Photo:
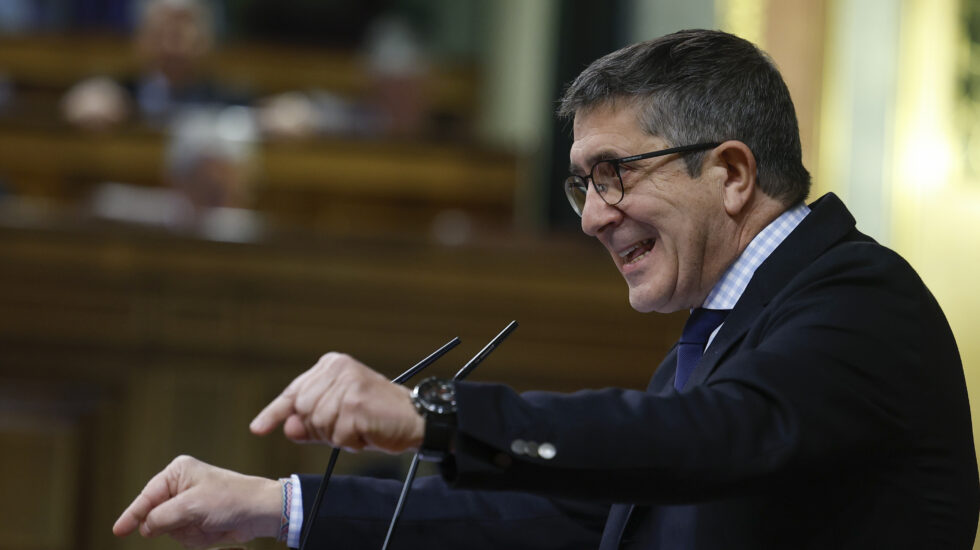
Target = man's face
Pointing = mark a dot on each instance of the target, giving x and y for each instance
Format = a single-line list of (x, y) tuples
[(173, 40), (662, 233)]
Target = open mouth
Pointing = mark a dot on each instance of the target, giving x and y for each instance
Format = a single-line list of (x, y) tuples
[(636, 252)]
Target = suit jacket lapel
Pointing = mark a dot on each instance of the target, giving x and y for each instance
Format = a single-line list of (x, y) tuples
[(828, 222), (619, 514), (663, 377)]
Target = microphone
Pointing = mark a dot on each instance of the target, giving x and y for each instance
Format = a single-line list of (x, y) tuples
[(469, 367), (400, 379)]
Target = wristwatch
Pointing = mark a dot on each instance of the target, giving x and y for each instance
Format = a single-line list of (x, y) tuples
[(435, 400)]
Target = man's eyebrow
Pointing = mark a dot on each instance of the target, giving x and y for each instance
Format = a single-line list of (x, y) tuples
[(592, 159)]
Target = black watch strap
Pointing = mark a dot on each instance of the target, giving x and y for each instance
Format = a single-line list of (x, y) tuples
[(435, 400), (440, 429)]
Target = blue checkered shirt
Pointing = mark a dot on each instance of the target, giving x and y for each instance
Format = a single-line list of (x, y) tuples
[(729, 289)]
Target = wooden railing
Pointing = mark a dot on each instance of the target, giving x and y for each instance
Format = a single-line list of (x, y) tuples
[(335, 185), (58, 61)]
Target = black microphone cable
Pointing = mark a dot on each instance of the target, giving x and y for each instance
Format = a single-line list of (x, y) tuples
[(400, 379), (469, 367)]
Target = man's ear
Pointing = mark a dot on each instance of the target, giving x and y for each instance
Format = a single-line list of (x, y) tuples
[(739, 167)]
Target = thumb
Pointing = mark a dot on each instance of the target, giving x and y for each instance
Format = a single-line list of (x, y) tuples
[(175, 513)]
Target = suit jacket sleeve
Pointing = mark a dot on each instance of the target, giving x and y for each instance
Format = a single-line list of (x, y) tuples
[(356, 512), (829, 375)]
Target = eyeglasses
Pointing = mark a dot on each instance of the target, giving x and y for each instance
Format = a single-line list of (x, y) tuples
[(608, 182)]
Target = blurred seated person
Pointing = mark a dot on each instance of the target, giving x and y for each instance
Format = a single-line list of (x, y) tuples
[(173, 39), (208, 175), (393, 106)]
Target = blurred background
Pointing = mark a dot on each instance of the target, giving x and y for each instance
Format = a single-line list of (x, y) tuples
[(197, 199)]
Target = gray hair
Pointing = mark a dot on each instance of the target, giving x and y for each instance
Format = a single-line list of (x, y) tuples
[(699, 86)]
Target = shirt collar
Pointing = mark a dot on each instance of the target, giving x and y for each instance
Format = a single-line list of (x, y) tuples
[(730, 287)]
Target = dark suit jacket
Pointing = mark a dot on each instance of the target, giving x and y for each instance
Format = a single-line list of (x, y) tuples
[(830, 411)]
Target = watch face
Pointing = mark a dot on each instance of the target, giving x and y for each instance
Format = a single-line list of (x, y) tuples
[(436, 396)]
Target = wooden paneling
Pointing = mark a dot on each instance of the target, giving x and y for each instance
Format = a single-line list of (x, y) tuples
[(144, 291), (136, 346), (41, 437)]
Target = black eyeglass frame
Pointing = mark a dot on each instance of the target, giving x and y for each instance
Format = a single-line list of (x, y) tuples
[(572, 180)]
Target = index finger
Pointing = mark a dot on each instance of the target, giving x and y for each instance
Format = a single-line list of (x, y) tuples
[(157, 490), (280, 408), (273, 414)]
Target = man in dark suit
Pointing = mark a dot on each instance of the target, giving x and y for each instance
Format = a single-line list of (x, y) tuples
[(815, 399)]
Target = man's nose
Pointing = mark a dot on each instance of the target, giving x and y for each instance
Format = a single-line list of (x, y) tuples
[(596, 214)]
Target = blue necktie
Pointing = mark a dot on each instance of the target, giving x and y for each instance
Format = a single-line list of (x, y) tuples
[(694, 337)]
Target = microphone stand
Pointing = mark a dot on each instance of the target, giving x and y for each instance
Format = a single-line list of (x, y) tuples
[(469, 367), (401, 378)]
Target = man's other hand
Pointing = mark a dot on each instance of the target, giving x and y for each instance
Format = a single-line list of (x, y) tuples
[(342, 402), (200, 505)]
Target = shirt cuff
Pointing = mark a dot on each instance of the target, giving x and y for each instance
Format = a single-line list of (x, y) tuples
[(295, 512)]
